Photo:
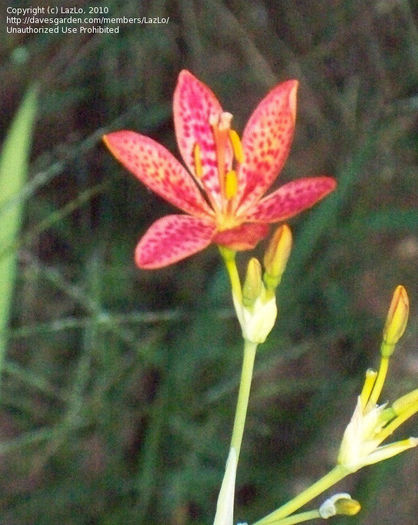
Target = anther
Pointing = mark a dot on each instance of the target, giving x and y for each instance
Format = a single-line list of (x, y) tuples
[(236, 145), (197, 161), (231, 184)]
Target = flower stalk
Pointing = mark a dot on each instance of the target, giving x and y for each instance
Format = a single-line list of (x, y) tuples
[(225, 504), (255, 306), (298, 518), (331, 478), (243, 395)]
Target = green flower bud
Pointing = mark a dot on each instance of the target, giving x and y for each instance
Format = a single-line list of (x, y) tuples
[(341, 504), (253, 284), (276, 256), (396, 321)]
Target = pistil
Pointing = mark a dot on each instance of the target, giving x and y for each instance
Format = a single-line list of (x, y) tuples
[(221, 124), (224, 136)]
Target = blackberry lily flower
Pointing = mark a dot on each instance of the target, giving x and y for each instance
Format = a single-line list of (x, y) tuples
[(222, 191)]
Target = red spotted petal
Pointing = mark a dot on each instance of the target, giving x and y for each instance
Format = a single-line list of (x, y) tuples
[(244, 237), (193, 105), (291, 199), (158, 169), (266, 142), (171, 239)]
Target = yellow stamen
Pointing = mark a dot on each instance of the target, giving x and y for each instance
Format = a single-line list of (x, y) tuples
[(197, 161), (221, 125), (231, 184), (236, 145)]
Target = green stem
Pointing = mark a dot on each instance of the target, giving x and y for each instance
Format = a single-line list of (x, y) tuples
[(336, 474), (380, 379), (243, 395), (299, 518), (231, 266), (225, 504)]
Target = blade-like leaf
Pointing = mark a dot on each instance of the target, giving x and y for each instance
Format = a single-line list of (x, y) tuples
[(14, 160)]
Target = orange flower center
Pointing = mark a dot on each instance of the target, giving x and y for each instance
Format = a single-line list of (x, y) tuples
[(224, 137)]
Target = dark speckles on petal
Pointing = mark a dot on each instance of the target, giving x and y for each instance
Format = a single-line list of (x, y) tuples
[(266, 141), (291, 199), (171, 239), (193, 103), (152, 164)]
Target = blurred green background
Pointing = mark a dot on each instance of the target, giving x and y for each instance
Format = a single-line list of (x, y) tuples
[(119, 385)]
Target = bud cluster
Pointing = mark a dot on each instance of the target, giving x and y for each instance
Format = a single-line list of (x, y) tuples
[(256, 307), (371, 424)]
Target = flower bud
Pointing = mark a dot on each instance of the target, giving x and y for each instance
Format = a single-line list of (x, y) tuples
[(256, 310), (406, 402), (253, 284), (257, 322), (276, 256), (347, 507), (341, 504), (396, 321)]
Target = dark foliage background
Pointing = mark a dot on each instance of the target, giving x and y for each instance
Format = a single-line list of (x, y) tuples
[(119, 384)]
